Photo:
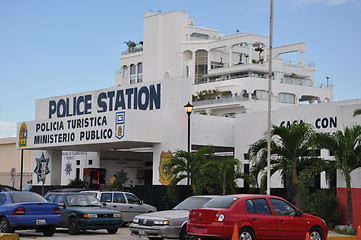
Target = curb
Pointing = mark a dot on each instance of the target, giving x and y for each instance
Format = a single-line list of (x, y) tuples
[(342, 238), (9, 236)]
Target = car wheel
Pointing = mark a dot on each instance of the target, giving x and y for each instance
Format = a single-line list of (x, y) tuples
[(73, 226), (184, 235), (5, 226), (316, 234), (246, 234), (49, 231), (112, 230)]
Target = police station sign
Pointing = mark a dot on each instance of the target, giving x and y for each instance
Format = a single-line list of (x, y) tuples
[(93, 117)]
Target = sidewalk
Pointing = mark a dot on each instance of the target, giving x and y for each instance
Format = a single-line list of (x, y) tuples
[(336, 236)]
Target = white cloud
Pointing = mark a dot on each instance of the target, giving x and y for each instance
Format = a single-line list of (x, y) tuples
[(7, 129)]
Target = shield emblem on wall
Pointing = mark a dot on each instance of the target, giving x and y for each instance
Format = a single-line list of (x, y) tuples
[(119, 124)]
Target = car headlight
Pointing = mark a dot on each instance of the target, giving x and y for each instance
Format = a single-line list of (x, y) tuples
[(90, 215), (161, 222), (135, 220), (117, 215)]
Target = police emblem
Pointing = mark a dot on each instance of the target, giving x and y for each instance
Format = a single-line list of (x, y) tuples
[(119, 124), (23, 135), (165, 174), (42, 168), (68, 168)]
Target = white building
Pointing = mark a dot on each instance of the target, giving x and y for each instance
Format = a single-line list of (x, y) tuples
[(131, 127)]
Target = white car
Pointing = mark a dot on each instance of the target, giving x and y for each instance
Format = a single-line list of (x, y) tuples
[(169, 223), (127, 203)]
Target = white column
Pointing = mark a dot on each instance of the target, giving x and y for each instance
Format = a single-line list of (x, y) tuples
[(302, 58), (230, 56)]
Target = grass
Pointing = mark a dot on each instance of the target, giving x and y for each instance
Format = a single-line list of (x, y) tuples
[(344, 232)]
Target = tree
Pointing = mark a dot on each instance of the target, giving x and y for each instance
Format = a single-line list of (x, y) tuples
[(222, 175), (131, 45), (346, 148), (357, 112), (290, 154), (186, 165)]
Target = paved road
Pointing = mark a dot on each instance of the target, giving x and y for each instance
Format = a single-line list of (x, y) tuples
[(62, 234)]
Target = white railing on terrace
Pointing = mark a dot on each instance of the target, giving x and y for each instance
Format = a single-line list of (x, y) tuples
[(297, 63), (134, 50), (220, 101)]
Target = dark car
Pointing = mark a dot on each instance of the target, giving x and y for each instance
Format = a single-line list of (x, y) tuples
[(80, 211), (254, 217), (27, 210)]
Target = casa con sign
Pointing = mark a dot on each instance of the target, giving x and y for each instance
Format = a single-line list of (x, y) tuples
[(95, 117)]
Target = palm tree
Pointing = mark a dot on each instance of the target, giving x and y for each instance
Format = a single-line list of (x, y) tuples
[(346, 148), (221, 174), (357, 112), (186, 165), (290, 148)]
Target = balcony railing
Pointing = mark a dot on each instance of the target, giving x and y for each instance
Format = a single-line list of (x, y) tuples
[(220, 101), (133, 50)]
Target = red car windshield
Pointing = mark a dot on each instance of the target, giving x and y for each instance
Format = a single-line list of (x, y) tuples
[(192, 202), (221, 202)]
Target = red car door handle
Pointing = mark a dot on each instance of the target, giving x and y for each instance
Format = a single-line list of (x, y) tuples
[(254, 219), (282, 220)]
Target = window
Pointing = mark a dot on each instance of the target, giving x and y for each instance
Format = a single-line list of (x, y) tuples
[(119, 198), (224, 202), (132, 199), (125, 71), (132, 73), (2, 199), (261, 95), (140, 73), (257, 206), (106, 197), (201, 65), (282, 208), (286, 98)]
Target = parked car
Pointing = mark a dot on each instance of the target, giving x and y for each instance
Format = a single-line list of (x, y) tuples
[(27, 210), (80, 211), (256, 217), (169, 223), (127, 203), (6, 188)]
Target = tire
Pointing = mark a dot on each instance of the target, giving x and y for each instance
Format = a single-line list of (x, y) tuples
[(73, 226), (49, 231), (112, 230), (5, 226), (183, 235), (246, 234), (316, 234)]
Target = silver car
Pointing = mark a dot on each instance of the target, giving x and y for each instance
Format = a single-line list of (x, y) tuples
[(127, 203), (169, 223)]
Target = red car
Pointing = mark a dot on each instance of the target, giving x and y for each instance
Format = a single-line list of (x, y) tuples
[(256, 217)]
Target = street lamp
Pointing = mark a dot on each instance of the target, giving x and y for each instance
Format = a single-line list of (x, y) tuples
[(189, 108)]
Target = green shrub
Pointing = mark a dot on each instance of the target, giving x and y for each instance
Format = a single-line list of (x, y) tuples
[(324, 204)]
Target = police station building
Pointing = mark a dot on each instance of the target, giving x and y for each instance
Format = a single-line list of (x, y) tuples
[(131, 128)]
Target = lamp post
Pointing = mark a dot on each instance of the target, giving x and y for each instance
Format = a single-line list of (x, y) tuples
[(189, 108)]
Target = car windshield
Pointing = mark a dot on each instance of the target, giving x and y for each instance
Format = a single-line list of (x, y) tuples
[(18, 197), (192, 202), (221, 202), (82, 200)]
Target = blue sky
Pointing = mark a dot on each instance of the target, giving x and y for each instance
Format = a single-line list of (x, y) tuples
[(57, 47)]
